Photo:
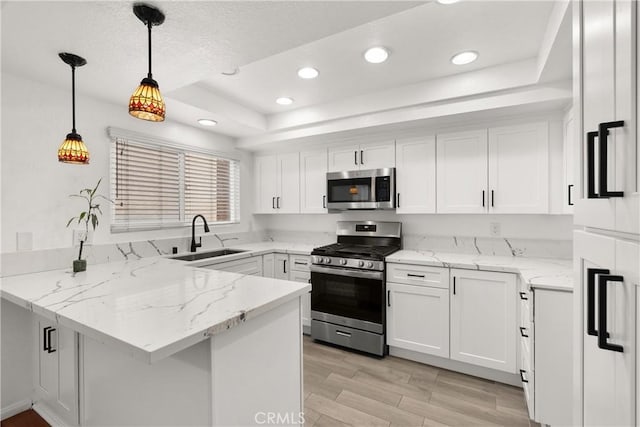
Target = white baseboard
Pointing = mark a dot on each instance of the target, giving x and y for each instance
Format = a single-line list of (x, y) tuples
[(454, 365), (49, 416), (15, 409)]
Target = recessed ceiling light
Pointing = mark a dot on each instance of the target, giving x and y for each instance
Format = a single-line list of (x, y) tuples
[(376, 55), (447, 1), (308, 73), (207, 122), (463, 58), (284, 101)]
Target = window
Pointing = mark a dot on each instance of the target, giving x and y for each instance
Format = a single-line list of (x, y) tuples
[(161, 186)]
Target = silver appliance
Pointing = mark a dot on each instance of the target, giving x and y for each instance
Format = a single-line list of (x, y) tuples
[(348, 296), (361, 189)]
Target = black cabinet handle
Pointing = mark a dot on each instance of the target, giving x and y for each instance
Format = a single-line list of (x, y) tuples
[(602, 312), (273, 203), (492, 198), (362, 157), (324, 201), (47, 339), (278, 202), (454, 285), (398, 203), (421, 276), (591, 165), (388, 298), (284, 266), (355, 157), (523, 296), (569, 202), (603, 132), (522, 371), (522, 329), (591, 299), (483, 198)]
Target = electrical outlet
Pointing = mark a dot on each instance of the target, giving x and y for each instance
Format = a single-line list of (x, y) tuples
[(79, 235), (494, 229)]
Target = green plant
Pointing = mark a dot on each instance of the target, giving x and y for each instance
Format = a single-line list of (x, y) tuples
[(91, 214)]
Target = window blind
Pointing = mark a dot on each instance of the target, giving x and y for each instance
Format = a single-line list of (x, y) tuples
[(158, 187)]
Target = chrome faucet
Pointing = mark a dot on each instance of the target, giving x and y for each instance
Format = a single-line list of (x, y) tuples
[(195, 245)]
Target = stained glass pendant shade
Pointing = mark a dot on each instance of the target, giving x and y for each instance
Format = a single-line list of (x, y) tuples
[(146, 103), (73, 150)]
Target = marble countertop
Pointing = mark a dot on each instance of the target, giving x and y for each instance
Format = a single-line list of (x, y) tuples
[(149, 308), (541, 273)]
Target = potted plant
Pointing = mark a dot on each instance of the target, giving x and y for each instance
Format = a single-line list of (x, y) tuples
[(88, 216)]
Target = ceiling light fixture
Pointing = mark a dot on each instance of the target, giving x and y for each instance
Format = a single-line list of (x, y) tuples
[(376, 55), (146, 103), (447, 1), (207, 122), (463, 58), (308, 73), (284, 101), (73, 149)]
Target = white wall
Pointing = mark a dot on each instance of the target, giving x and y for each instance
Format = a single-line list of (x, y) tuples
[(35, 186)]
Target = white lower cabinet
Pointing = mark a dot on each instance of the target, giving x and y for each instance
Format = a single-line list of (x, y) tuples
[(56, 379), (281, 266), (300, 272), (483, 319), (251, 266), (268, 265)]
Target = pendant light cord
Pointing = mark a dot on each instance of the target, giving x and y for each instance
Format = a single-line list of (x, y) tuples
[(149, 27), (73, 97)]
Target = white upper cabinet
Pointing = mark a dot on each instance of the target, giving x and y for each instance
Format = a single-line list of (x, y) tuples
[(371, 155), (277, 183), (462, 172), (483, 319), (607, 78), (519, 169), (416, 175), (313, 181), (570, 157)]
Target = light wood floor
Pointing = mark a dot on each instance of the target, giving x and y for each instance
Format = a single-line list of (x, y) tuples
[(345, 388)]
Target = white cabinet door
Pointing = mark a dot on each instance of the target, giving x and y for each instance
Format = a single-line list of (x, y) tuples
[(607, 71), (57, 369), (288, 197), (607, 376), (462, 172), (344, 158), (519, 169), (571, 150), (418, 318), (313, 181), (303, 277), (282, 266), (268, 265), (416, 175), (266, 183), (483, 319), (377, 155)]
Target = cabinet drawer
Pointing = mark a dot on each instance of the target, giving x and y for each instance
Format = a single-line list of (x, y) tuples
[(251, 266), (300, 276), (436, 277), (300, 262)]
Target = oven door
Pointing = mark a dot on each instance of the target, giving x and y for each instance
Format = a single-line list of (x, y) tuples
[(348, 297)]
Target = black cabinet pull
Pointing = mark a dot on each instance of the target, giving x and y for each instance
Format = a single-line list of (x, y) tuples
[(355, 157), (388, 298), (454, 285), (603, 132), (569, 202), (47, 339), (591, 165), (284, 266), (602, 312), (591, 299), (398, 203), (278, 202), (421, 276), (324, 201), (483, 198), (273, 203), (523, 296), (492, 198), (362, 157), (522, 329), (522, 371), (44, 338)]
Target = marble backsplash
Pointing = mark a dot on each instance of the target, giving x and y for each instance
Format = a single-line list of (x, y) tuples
[(13, 263)]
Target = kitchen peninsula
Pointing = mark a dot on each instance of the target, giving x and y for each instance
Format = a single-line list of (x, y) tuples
[(157, 342)]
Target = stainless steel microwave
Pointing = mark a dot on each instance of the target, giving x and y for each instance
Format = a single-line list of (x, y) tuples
[(362, 189)]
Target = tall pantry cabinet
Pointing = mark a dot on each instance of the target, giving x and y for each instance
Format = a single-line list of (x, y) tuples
[(607, 223)]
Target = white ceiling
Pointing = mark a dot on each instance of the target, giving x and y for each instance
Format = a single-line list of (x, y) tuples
[(268, 41)]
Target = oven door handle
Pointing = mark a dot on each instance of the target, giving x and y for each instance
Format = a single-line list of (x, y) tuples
[(349, 272)]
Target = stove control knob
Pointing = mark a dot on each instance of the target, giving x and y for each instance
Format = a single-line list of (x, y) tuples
[(327, 260), (343, 262), (360, 263), (369, 264)]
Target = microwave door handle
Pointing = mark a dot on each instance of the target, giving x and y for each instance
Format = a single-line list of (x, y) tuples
[(355, 157)]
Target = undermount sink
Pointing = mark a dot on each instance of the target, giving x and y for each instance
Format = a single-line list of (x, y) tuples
[(210, 254)]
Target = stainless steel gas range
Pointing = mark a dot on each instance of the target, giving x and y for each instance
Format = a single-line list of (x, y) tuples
[(348, 296)]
